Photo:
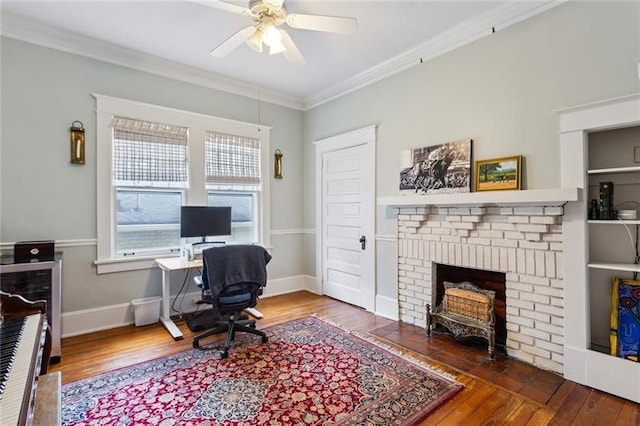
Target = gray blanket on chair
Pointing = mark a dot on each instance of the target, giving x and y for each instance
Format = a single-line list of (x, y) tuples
[(233, 264)]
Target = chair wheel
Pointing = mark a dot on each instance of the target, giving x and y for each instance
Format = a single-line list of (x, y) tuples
[(196, 344), (224, 354), (252, 325), (265, 339)]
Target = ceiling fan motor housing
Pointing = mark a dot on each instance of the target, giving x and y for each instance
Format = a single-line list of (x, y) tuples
[(263, 10)]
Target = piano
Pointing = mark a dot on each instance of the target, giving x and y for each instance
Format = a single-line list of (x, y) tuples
[(25, 348)]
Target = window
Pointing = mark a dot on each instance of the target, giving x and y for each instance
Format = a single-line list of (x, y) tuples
[(147, 221), (147, 156), (151, 160), (233, 179)]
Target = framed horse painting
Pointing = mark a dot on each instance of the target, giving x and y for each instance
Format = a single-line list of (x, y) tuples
[(444, 168)]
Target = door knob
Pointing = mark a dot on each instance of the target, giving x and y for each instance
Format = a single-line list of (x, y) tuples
[(363, 241)]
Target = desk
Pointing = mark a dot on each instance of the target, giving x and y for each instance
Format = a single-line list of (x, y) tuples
[(168, 265)]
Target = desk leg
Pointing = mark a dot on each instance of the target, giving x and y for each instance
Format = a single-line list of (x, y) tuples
[(165, 316)]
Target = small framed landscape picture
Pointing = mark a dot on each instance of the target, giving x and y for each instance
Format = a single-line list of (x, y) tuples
[(498, 173)]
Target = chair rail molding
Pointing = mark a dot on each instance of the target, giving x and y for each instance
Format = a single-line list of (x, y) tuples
[(88, 242), (288, 231)]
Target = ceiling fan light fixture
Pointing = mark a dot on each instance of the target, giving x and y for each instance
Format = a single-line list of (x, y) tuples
[(267, 16), (271, 35), (277, 48), (255, 41)]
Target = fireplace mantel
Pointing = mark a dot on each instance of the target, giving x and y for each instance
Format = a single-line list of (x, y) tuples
[(529, 197)]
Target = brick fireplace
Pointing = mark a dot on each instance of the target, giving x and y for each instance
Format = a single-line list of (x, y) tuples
[(523, 242)]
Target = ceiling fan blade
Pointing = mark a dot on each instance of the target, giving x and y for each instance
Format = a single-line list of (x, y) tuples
[(227, 7), (292, 54), (331, 24), (232, 42)]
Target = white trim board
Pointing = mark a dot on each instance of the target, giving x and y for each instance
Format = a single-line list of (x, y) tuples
[(89, 242), (287, 231), (30, 31), (58, 243), (528, 197), (387, 307), (86, 321), (464, 33)]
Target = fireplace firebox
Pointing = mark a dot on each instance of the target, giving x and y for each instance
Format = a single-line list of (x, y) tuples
[(486, 280)]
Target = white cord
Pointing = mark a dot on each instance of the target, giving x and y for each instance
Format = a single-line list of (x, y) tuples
[(633, 244)]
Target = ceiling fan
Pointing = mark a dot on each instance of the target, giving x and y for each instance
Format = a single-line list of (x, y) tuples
[(267, 16)]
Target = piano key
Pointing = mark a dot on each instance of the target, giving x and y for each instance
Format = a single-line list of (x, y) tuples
[(11, 399)]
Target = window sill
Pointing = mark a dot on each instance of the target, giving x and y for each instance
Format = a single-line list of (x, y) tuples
[(108, 266)]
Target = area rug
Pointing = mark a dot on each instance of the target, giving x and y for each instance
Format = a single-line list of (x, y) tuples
[(310, 372)]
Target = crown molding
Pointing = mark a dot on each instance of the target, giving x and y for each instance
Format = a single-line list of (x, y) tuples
[(55, 38), (484, 25), (497, 19)]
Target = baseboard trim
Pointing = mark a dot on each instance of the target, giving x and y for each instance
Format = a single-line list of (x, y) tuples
[(86, 321), (387, 307), (287, 285), (91, 320)]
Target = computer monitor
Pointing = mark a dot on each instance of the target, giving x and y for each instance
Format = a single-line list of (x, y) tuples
[(204, 221)]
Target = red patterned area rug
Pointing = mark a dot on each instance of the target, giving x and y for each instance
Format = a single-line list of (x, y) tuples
[(310, 373)]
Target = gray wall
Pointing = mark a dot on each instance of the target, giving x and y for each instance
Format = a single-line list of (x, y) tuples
[(502, 91), (46, 197)]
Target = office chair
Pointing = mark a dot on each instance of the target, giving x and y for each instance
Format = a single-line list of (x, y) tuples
[(232, 279)]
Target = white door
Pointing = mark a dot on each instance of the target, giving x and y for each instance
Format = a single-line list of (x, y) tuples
[(347, 217)]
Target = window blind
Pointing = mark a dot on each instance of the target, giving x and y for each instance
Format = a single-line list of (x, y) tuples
[(147, 153), (231, 159)]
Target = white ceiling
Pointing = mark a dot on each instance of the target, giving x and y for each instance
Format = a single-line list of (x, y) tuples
[(174, 38)]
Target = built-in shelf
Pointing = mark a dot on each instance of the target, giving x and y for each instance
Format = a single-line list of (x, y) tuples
[(529, 197), (632, 169), (600, 348), (615, 222), (614, 266), (607, 133)]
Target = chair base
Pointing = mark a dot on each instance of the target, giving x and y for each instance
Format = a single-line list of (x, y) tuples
[(231, 326), (204, 320)]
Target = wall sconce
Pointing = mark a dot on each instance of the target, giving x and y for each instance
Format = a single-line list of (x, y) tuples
[(77, 142), (278, 165)]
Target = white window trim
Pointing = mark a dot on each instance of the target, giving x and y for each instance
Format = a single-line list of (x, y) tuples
[(106, 108)]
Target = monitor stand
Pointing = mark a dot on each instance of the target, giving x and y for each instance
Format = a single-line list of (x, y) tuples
[(194, 251)]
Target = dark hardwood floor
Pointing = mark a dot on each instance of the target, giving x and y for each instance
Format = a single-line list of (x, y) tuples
[(502, 391)]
